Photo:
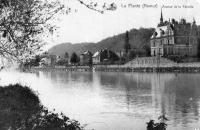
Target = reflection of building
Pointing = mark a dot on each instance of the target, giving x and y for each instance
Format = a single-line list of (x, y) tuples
[(172, 38), (177, 96), (86, 58), (104, 56)]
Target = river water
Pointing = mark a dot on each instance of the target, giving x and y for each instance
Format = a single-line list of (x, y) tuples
[(117, 101)]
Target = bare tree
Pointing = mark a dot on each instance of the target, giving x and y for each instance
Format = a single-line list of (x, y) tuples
[(24, 23), (101, 8)]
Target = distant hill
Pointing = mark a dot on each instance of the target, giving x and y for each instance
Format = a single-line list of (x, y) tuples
[(138, 39)]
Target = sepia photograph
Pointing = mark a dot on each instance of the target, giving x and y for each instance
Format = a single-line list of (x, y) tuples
[(99, 65)]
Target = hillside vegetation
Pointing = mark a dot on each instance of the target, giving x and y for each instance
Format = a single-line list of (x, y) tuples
[(139, 38)]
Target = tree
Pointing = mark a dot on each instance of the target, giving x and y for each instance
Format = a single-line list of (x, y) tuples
[(198, 48), (157, 126), (127, 46), (33, 62), (131, 54), (147, 49), (23, 23), (66, 56), (21, 109), (74, 58), (98, 7)]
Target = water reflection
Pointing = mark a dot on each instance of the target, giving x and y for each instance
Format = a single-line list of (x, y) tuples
[(120, 100), (63, 77)]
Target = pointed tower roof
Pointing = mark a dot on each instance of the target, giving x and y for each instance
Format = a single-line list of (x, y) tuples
[(161, 17), (194, 21), (194, 28)]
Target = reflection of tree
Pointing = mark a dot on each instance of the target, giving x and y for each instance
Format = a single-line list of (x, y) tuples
[(66, 77), (136, 91), (178, 97), (126, 85), (110, 79)]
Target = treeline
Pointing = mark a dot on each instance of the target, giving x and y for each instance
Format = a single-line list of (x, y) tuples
[(139, 40)]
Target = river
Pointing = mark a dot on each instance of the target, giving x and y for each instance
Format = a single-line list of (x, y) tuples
[(116, 100)]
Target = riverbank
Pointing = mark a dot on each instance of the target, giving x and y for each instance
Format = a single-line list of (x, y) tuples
[(113, 68), (143, 64), (21, 109)]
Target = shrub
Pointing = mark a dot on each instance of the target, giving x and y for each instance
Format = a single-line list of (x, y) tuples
[(20, 109), (157, 126)]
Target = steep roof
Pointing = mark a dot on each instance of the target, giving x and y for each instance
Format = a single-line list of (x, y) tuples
[(163, 31), (96, 54), (86, 53)]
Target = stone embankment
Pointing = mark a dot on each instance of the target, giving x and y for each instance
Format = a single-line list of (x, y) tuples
[(143, 64)]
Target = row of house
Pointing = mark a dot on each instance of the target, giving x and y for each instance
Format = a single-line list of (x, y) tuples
[(99, 57), (85, 58)]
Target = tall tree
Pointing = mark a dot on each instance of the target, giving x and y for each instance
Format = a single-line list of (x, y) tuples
[(198, 48), (127, 45), (147, 49), (74, 58)]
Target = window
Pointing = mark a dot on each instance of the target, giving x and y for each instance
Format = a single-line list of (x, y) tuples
[(153, 44), (161, 42)]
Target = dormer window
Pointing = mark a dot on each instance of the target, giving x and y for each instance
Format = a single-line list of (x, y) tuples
[(162, 32), (155, 34)]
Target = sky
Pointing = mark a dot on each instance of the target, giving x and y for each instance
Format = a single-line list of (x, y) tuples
[(87, 25)]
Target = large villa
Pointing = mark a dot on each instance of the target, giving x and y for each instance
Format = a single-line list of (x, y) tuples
[(173, 38)]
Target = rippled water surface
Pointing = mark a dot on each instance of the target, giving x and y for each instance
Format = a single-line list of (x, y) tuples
[(117, 101)]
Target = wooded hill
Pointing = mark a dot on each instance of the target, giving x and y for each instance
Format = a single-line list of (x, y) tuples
[(138, 38)]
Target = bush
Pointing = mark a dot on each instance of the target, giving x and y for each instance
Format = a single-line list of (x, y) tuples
[(157, 126), (20, 109)]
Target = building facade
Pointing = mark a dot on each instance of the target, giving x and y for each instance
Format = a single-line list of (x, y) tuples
[(104, 56), (86, 58), (173, 38), (96, 59)]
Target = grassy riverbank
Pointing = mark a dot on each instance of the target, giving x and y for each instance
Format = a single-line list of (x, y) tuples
[(20, 109)]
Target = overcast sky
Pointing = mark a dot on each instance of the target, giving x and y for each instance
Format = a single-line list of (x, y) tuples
[(89, 26)]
